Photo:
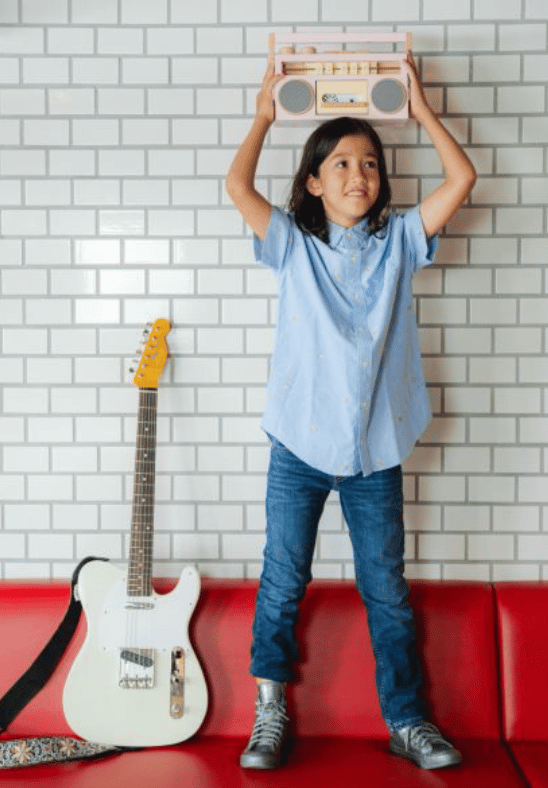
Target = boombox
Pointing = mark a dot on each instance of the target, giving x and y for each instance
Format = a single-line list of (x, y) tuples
[(316, 85)]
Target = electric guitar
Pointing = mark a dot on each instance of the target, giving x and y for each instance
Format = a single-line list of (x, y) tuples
[(136, 680)]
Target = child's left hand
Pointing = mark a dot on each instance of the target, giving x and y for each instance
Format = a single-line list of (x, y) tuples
[(418, 103), (459, 172)]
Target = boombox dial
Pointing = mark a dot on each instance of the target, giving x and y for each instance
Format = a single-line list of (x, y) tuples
[(369, 85)]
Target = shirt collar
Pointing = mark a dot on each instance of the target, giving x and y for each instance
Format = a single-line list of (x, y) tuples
[(352, 237)]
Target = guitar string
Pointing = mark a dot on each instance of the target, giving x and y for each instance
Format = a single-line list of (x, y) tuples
[(147, 514), (148, 481), (152, 479), (134, 543), (139, 524), (133, 548), (137, 543), (139, 578)]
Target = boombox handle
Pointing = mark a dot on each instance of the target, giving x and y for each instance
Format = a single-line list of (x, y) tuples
[(324, 38)]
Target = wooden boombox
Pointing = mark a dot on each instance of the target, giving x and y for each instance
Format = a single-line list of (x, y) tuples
[(316, 85)]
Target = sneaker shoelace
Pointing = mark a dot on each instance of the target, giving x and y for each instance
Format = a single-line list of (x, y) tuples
[(424, 734), (269, 725)]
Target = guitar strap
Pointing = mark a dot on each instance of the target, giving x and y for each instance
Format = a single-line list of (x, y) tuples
[(50, 749)]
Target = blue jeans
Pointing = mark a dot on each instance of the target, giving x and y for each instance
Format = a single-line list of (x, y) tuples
[(373, 509)]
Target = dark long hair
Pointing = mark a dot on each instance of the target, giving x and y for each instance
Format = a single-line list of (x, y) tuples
[(308, 210)]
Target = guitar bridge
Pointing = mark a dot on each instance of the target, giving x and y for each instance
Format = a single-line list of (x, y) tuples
[(136, 668), (177, 683)]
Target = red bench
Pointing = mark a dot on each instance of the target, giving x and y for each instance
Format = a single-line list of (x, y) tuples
[(485, 657)]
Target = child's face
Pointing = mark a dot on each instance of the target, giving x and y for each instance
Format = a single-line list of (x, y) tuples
[(348, 180)]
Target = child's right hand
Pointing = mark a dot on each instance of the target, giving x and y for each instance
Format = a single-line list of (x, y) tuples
[(265, 102), (240, 179)]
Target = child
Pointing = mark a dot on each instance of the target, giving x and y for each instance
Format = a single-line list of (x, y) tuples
[(347, 398)]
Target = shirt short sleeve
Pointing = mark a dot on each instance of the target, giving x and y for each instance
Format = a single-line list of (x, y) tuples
[(422, 249), (273, 251)]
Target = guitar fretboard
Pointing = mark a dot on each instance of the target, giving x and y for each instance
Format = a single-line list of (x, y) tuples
[(139, 581)]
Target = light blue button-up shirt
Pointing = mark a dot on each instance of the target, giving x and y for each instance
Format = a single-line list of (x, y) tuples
[(347, 392)]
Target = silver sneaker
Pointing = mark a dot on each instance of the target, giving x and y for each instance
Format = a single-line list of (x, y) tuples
[(424, 745), (265, 747)]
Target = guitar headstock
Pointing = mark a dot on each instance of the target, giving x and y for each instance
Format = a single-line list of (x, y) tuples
[(154, 357)]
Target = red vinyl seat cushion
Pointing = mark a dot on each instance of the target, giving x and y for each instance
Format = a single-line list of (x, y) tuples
[(320, 762)]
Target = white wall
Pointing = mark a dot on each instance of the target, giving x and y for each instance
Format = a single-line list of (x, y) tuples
[(118, 119)]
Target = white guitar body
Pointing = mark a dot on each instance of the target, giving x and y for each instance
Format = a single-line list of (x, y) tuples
[(136, 680)]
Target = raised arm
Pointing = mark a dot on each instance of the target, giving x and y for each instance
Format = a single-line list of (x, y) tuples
[(240, 180), (458, 170)]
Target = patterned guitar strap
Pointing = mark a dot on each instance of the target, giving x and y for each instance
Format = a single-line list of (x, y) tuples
[(15, 753)]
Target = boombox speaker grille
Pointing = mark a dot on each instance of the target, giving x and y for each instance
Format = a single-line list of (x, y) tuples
[(389, 95), (296, 96)]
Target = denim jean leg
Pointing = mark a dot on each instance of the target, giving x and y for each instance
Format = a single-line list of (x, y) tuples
[(295, 498), (373, 509)]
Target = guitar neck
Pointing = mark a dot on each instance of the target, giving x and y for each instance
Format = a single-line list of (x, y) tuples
[(139, 581)]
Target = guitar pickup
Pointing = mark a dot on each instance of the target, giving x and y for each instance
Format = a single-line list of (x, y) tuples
[(136, 669), (137, 658)]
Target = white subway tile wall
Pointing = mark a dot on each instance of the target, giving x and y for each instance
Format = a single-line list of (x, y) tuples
[(118, 120)]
